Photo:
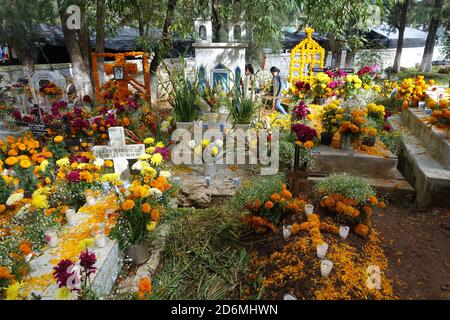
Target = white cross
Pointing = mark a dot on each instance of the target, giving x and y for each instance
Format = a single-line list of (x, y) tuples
[(119, 151)]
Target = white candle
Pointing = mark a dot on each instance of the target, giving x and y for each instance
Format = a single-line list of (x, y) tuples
[(288, 296), (100, 240), (322, 250), (421, 105), (325, 267), (51, 238), (309, 209), (236, 182), (343, 231)]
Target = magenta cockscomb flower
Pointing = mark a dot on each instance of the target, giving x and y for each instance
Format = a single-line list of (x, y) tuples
[(87, 261), (303, 132), (302, 110), (164, 152), (73, 176), (61, 272)]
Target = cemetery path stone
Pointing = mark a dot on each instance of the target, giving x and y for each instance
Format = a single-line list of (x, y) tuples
[(417, 246)]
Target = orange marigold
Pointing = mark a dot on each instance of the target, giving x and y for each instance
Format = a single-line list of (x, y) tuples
[(25, 248), (155, 215), (275, 197), (2, 208), (128, 205), (286, 194), (4, 273), (146, 208), (10, 161), (145, 285), (269, 204), (25, 164), (362, 230)]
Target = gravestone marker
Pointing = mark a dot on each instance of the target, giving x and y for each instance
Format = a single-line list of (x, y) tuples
[(119, 151)]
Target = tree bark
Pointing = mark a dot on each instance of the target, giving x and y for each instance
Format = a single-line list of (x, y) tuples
[(216, 25), (80, 68), (100, 37), (401, 32), (433, 26), (164, 43)]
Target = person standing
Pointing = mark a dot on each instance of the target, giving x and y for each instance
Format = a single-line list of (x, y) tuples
[(250, 85), (277, 87)]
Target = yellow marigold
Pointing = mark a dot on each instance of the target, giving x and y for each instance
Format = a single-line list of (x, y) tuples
[(58, 139), (128, 205), (108, 163), (25, 164), (10, 161), (157, 159)]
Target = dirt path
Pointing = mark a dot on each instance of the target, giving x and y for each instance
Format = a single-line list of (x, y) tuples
[(417, 244)]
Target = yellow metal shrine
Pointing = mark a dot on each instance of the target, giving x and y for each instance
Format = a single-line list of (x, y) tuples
[(305, 56)]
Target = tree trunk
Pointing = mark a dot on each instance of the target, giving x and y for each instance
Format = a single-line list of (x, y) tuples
[(350, 58), (80, 69), (335, 52), (100, 37), (164, 43), (433, 26), (27, 61), (401, 32), (216, 25)]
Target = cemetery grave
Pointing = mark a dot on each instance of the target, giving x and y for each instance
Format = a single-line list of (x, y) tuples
[(214, 194)]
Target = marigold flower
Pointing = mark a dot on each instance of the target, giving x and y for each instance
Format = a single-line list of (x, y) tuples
[(362, 230), (25, 164), (146, 208), (145, 285), (155, 215), (58, 139), (128, 205), (275, 197), (269, 204), (11, 161), (2, 208), (25, 248), (5, 274)]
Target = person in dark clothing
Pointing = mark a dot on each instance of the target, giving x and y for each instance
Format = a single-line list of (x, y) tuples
[(277, 86)]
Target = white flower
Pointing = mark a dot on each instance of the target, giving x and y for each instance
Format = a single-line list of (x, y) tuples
[(155, 192), (166, 174), (218, 143), (192, 144), (74, 281), (140, 165), (15, 197), (145, 157), (99, 162)]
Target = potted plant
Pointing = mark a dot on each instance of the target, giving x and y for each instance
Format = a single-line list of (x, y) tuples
[(208, 151), (241, 110), (354, 121), (184, 99), (332, 115)]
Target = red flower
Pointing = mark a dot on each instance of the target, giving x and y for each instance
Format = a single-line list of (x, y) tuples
[(73, 176)]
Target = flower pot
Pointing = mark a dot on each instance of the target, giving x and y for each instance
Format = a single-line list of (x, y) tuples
[(223, 116), (346, 142), (184, 125), (209, 169), (210, 116), (369, 141), (320, 101), (244, 127), (326, 138), (138, 253)]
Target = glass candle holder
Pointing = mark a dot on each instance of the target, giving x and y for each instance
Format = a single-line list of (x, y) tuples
[(286, 231), (236, 182), (208, 181), (428, 111), (309, 209), (100, 240), (51, 238), (343, 231), (71, 217), (325, 267), (421, 105), (322, 250)]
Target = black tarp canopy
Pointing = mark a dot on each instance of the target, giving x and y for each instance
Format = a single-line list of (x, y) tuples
[(387, 37)]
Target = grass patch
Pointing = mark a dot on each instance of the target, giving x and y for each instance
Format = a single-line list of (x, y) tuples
[(203, 257), (440, 78)]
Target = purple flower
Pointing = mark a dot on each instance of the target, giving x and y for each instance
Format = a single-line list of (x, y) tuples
[(87, 261), (132, 103), (387, 114), (17, 115), (332, 85), (164, 152), (61, 273), (87, 99), (73, 176), (303, 132), (302, 110)]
